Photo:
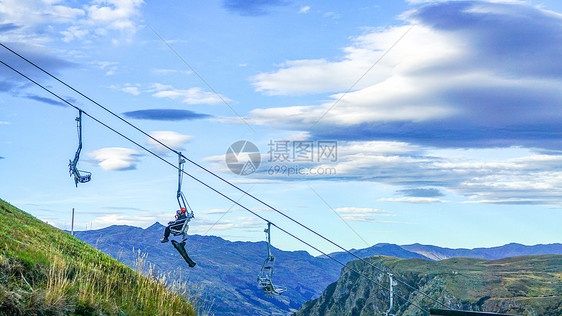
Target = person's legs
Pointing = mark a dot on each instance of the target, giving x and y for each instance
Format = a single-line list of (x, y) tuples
[(166, 234), (180, 246)]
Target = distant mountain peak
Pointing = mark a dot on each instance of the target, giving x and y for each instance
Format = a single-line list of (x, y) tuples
[(381, 244), (155, 226)]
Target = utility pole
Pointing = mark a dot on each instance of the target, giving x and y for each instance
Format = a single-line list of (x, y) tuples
[(72, 225)]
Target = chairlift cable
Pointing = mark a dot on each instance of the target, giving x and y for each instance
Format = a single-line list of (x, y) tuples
[(173, 150), (196, 164)]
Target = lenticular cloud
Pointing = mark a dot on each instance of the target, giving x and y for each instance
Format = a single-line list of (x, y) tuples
[(466, 74)]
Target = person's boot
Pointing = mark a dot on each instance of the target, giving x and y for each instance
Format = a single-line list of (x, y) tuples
[(163, 240)]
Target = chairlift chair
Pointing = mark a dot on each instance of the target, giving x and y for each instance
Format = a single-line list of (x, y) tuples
[(181, 231), (175, 228), (182, 202), (266, 274)]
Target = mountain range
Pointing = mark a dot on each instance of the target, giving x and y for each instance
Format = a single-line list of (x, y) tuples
[(225, 277), (505, 251)]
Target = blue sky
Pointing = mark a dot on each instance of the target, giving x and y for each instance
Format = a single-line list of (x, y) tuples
[(436, 122)]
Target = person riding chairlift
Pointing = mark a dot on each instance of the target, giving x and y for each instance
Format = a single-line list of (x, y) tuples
[(181, 217)]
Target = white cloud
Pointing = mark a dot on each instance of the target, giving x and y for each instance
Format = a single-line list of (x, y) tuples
[(358, 214), (109, 67), (115, 14), (115, 219), (304, 9), (434, 1), (379, 147), (416, 200), (44, 20), (301, 136), (74, 33), (332, 15), (160, 86), (480, 175), (360, 210), (499, 175), (115, 158), (323, 75), (114, 11), (171, 71), (4, 123), (372, 104), (171, 139), (385, 94), (131, 90), (33, 12), (252, 181), (480, 83), (205, 225), (215, 211), (194, 95)]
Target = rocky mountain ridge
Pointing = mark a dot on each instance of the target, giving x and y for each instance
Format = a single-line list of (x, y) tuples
[(526, 285)]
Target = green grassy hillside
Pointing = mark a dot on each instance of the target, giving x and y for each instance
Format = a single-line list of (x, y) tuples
[(46, 271)]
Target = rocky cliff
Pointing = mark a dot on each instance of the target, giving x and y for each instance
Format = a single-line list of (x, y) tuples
[(527, 285)]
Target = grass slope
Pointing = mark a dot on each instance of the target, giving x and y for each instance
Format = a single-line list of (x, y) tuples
[(46, 271)]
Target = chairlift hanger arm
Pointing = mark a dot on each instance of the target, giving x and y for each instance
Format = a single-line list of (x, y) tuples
[(181, 163), (79, 128), (73, 164), (268, 239), (182, 201)]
